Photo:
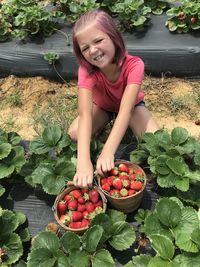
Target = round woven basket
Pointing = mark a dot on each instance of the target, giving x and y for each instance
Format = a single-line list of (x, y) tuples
[(61, 195), (130, 203)]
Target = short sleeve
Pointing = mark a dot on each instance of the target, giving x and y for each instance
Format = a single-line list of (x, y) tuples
[(136, 71), (85, 79)]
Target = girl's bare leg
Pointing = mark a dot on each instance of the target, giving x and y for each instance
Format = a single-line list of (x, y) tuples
[(142, 121), (99, 120)]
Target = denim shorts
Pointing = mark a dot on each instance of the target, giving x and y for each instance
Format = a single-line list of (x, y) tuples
[(113, 115)]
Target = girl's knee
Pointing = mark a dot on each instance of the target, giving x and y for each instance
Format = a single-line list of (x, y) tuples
[(73, 134)]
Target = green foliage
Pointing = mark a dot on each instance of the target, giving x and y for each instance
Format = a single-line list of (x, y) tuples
[(184, 17), (51, 58), (24, 18), (173, 230), (173, 158), (132, 14), (52, 159), (13, 233), (86, 250), (157, 6)]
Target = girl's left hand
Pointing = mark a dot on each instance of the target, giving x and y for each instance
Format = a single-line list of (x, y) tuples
[(105, 163)]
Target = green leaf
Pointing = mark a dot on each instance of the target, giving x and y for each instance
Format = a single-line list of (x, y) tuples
[(51, 135), (169, 212), (116, 216), (163, 246), (182, 184), (8, 222), (129, 264), (20, 217), (159, 262), (21, 264), (13, 246), (47, 240), (6, 170), (138, 156), (167, 181), (196, 237), (141, 260), (2, 190), (37, 146), (179, 135), (188, 260), (5, 149), (70, 241), (123, 235), (103, 258), (62, 260), (53, 184), (41, 257), (184, 242), (25, 235), (79, 259), (92, 237), (178, 167)]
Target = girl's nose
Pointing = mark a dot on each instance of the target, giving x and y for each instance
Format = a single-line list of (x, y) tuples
[(93, 49)]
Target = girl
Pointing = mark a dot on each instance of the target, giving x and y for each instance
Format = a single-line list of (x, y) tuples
[(109, 81)]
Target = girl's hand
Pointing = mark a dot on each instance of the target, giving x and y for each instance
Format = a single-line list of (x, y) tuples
[(84, 175), (105, 163)]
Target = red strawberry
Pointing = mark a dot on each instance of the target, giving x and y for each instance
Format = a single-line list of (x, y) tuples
[(84, 223), (76, 193), (81, 200), (72, 204), (123, 168), (105, 187), (89, 207), (67, 197), (123, 177), (76, 216), (62, 206), (132, 176), (123, 192), (80, 207), (137, 185), (98, 204), (193, 20), (110, 179), (131, 192), (65, 219), (139, 172), (114, 193), (114, 171), (75, 225), (103, 180), (94, 195), (126, 184), (117, 183), (85, 213)]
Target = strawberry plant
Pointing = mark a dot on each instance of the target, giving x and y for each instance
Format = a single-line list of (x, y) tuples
[(173, 231), (73, 9), (132, 15), (52, 160), (174, 159), (157, 6), (13, 235), (87, 250), (184, 17), (12, 156), (24, 18)]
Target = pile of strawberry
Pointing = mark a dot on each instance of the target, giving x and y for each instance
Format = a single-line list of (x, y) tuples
[(123, 180), (77, 208)]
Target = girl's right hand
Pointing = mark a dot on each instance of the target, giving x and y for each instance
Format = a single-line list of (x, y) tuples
[(84, 175)]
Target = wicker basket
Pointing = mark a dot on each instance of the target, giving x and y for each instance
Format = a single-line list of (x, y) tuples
[(130, 203), (61, 195)]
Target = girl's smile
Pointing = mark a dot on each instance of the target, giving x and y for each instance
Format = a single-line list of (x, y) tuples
[(97, 48)]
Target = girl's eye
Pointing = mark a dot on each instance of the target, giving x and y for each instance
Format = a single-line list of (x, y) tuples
[(98, 41), (84, 49)]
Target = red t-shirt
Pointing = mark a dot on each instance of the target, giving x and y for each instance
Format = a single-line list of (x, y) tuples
[(106, 94)]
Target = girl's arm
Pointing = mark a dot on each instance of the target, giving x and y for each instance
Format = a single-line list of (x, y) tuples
[(84, 170), (106, 159)]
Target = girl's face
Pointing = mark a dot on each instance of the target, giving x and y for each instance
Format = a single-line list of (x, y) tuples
[(96, 47)]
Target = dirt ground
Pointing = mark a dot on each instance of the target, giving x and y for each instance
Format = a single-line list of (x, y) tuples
[(173, 101)]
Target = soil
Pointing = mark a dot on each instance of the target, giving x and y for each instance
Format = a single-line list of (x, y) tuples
[(173, 101)]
